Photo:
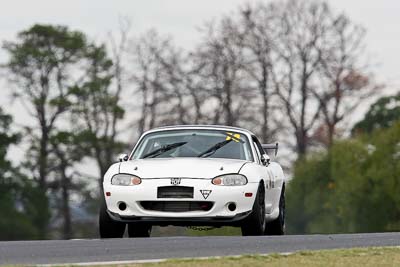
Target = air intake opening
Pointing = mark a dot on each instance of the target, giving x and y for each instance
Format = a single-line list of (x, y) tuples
[(122, 206), (177, 206)]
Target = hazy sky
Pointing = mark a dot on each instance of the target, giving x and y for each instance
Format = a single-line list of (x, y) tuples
[(180, 18)]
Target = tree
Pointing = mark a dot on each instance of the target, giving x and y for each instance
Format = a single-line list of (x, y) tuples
[(96, 110), (307, 194), (382, 114), (301, 29), (219, 64), (22, 204), (45, 64), (344, 80), (335, 191), (65, 151), (383, 179), (259, 31), (160, 81), (41, 65)]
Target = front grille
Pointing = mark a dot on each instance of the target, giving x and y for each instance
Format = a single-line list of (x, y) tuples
[(175, 192), (177, 206)]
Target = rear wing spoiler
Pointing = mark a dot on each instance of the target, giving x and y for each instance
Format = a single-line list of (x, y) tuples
[(270, 147)]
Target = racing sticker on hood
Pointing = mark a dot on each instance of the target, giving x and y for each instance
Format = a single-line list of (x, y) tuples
[(205, 193)]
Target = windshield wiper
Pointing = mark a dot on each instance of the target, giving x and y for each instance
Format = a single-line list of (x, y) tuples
[(214, 148), (163, 149)]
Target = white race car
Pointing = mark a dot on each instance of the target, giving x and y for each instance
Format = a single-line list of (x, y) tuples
[(194, 176)]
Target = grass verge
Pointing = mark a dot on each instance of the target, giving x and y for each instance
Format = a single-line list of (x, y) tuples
[(377, 256)]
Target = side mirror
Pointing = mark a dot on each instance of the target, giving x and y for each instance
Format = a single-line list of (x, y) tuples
[(123, 157), (265, 159)]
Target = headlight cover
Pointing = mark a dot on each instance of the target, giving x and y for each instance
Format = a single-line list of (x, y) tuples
[(125, 180), (230, 180)]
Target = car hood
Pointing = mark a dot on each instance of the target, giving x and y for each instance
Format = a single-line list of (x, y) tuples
[(181, 167)]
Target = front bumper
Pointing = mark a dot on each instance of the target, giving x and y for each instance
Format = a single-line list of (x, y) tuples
[(220, 196), (183, 221)]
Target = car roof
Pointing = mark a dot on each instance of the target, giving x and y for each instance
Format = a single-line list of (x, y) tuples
[(202, 126)]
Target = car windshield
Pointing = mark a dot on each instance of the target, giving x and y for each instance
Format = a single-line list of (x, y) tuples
[(194, 143)]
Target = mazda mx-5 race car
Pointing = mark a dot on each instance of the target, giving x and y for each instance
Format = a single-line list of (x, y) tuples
[(194, 176)]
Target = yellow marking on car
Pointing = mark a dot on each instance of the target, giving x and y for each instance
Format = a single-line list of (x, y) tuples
[(234, 137)]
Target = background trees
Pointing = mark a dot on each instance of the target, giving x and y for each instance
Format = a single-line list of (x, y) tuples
[(40, 66), (159, 78), (219, 58), (23, 207), (64, 83), (260, 63), (96, 109), (334, 192), (382, 114)]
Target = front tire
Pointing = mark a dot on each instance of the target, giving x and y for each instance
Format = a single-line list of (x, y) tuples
[(254, 225), (277, 226), (108, 228), (139, 230)]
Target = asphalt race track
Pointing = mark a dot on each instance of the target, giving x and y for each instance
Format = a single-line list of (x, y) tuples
[(84, 251)]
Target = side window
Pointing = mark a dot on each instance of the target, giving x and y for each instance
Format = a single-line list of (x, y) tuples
[(260, 151), (259, 146)]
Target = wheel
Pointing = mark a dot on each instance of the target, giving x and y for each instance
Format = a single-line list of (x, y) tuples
[(109, 228), (277, 226), (139, 230), (255, 223)]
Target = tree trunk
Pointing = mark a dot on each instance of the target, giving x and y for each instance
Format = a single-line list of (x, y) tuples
[(43, 155), (67, 227), (43, 171), (301, 139), (331, 133), (229, 120), (264, 93)]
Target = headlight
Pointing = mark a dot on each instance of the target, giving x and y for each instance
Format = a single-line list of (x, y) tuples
[(125, 179), (230, 179)]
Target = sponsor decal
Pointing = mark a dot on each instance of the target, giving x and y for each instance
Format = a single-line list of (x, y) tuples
[(175, 181), (234, 137), (205, 193)]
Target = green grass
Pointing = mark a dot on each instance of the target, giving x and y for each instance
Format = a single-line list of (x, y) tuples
[(363, 257), (358, 257)]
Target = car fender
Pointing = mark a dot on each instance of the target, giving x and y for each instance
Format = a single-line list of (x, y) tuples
[(254, 173), (276, 185), (113, 170)]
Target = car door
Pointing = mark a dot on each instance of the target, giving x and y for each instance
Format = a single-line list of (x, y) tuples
[(275, 182), (265, 173)]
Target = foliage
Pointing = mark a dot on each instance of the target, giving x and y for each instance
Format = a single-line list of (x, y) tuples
[(307, 188), (351, 188), (96, 110), (21, 202), (382, 114), (53, 69), (41, 64)]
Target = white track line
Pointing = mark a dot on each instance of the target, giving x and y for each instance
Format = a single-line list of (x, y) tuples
[(188, 258), (151, 260), (102, 263)]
